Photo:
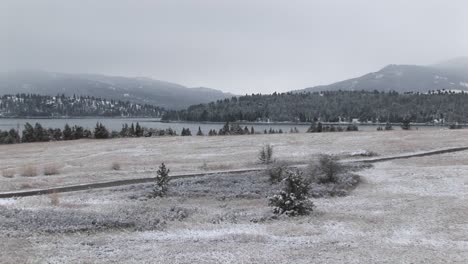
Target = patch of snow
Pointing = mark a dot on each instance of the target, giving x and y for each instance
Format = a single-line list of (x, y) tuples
[(437, 77), (464, 84), (7, 201), (379, 76)]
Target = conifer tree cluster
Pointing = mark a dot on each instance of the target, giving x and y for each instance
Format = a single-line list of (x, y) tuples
[(131, 131), (37, 133), (273, 131), (101, 132), (22, 105), (186, 132), (233, 129), (318, 127), (331, 106), (9, 137)]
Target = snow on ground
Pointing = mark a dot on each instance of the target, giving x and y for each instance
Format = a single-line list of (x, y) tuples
[(404, 211), (85, 161)]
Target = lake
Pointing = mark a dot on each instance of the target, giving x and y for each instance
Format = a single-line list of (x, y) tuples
[(116, 124)]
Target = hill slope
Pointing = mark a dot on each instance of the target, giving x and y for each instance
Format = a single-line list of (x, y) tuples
[(137, 90), (33, 105), (449, 75)]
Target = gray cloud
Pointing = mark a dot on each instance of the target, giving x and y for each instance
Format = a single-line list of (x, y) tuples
[(240, 46)]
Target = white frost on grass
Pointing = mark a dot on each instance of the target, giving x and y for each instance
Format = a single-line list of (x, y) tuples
[(205, 234)]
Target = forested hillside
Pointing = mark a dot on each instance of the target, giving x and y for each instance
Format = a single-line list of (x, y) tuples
[(332, 106), (136, 90), (32, 105)]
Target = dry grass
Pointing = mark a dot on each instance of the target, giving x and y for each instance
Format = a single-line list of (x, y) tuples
[(8, 173), (54, 198), (29, 171), (26, 185), (116, 166), (215, 167), (51, 169)]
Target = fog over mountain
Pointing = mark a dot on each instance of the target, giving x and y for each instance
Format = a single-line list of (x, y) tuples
[(138, 90), (447, 75), (241, 47)]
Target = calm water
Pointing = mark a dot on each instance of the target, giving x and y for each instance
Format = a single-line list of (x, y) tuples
[(116, 124)]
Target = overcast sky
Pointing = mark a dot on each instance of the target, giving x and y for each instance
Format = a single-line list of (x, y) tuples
[(238, 46)]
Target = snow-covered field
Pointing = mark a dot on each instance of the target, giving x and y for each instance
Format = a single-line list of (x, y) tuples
[(404, 211), (85, 161)]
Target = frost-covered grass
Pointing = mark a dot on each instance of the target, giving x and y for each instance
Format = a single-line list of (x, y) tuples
[(404, 211), (83, 161)]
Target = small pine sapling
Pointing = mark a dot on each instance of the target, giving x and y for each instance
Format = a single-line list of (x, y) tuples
[(266, 154), (293, 199), (161, 185)]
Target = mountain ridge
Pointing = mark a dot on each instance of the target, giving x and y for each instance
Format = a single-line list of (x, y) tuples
[(449, 75), (142, 90)]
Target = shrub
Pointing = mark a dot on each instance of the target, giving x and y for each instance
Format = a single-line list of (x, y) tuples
[(388, 126), (8, 173), (276, 171), (406, 124), (115, 166), (51, 169), (292, 200), (29, 171), (161, 185), (26, 185), (455, 126), (266, 154), (326, 170), (352, 128), (9, 137), (54, 198)]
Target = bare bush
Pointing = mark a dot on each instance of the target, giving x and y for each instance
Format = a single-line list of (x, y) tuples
[(276, 171), (266, 154), (51, 169), (8, 173), (54, 198), (26, 185), (29, 171), (116, 166), (363, 153), (328, 177), (326, 170)]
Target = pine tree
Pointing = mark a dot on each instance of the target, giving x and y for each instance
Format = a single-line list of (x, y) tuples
[(67, 133), (100, 131), (138, 130), (293, 199), (266, 154), (40, 134), (199, 133), (78, 132), (161, 185), (28, 133), (132, 130)]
